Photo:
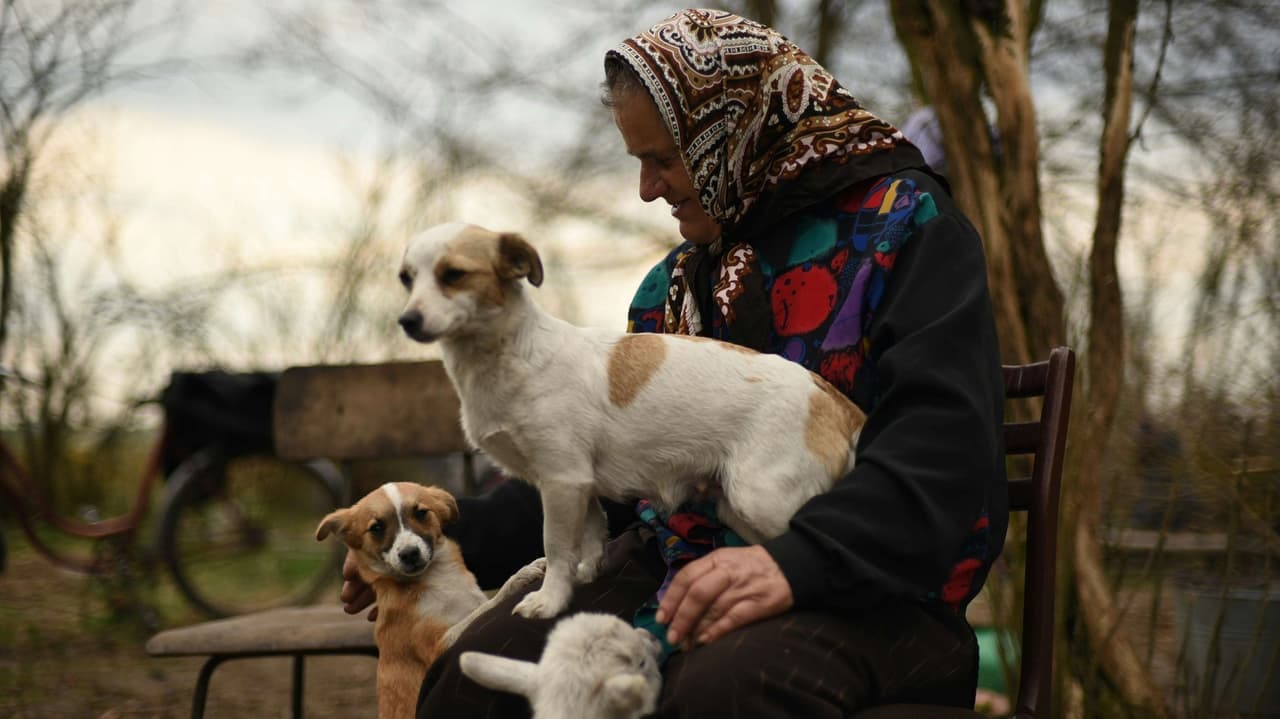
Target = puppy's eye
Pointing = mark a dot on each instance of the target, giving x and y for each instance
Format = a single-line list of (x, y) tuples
[(406, 279), (451, 276), (420, 513), (377, 528)]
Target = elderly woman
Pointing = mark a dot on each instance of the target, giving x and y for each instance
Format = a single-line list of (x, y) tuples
[(815, 231)]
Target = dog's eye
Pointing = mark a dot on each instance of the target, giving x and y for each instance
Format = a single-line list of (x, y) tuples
[(420, 513), (406, 279), (451, 275), (377, 528)]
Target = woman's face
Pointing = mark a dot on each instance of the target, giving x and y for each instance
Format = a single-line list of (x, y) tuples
[(662, 171)]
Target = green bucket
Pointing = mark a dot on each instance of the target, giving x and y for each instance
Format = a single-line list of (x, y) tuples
[(989, 674)]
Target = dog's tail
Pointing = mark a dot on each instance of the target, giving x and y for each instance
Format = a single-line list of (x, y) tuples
[(501, 673)]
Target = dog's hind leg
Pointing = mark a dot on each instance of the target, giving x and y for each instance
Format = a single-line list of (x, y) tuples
[(595, 532), (763, 492), (564, 512)]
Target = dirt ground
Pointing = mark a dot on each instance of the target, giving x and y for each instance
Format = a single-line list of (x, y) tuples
[(64, 653)]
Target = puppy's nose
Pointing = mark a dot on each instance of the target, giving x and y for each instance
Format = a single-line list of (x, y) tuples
[(411, 321), (410, 556)]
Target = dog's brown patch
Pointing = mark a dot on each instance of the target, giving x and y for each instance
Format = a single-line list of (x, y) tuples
[(482, 263), (467, 268), (832, 420), (444, 508), (633, 361)]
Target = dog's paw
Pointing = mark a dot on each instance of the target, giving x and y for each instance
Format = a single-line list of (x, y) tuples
[(542, 604), (531, 572), (528, 574)]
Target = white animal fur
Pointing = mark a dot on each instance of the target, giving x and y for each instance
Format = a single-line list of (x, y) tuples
[(595, 666), (583, 412)]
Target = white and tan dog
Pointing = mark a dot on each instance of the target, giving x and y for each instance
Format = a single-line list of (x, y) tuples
[(584, 412), (425, 595)]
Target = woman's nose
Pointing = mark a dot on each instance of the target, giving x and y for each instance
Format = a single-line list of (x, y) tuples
[(651, 186)]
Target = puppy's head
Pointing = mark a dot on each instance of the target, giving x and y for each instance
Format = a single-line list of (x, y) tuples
[(395, 528), (461, 276)]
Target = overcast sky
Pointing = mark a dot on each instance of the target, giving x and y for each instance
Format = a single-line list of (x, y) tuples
[(213, 162)]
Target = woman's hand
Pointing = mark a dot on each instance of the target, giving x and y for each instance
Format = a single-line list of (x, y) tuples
[(356, 595), (729, 588)]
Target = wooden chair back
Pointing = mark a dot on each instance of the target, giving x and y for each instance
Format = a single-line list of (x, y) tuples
[(1037, 494)]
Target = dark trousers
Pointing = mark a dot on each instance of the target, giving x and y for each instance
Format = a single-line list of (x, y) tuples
[(800, 664)]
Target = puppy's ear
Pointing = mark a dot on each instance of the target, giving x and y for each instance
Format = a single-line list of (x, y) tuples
[(501, 673), (443, 503), (335, 523), (517, 258)]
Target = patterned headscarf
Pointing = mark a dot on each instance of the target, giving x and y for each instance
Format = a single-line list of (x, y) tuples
[(750, 112), (764, 132)]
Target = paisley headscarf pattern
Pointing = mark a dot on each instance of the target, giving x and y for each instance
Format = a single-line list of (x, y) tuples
[(747, 108), (764, 132)]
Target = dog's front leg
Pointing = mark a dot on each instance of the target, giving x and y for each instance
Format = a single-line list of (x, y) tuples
[(595, 532), (564, 511), (528, 574)]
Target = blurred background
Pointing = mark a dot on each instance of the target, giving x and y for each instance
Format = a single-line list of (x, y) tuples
[(229, 184)]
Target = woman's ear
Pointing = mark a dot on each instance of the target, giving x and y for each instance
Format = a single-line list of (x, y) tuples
[(517, 258)]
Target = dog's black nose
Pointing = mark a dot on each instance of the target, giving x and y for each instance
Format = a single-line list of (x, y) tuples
[(411, 321), (410, 556)]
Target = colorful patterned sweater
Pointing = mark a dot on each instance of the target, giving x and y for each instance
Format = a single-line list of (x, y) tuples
[(882, 291)]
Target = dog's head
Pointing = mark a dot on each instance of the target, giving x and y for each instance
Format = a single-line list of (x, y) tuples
[(461, 276), (395, 528)]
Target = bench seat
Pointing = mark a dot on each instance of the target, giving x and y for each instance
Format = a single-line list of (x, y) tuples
[(286, 632)]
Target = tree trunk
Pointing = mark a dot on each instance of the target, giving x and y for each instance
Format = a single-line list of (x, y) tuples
[(11, 196), (1006, 69), (945, 65), (1104, 376), (957, 54)]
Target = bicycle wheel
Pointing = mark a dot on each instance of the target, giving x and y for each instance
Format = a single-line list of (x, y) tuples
[(238, 535)]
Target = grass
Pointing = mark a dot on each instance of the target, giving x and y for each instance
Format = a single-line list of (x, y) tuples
[(72, 646)]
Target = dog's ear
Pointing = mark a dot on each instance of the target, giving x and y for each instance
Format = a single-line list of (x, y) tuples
[(334, 523), (517, 258), (501, 673), (443, 502)]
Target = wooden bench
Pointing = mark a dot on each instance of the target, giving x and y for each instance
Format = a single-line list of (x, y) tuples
[(344, 413)]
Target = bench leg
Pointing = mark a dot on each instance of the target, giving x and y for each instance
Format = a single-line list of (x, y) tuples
[(298, 660), (202, 686)]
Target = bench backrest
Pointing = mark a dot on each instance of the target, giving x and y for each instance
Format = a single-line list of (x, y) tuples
[(373, 411)]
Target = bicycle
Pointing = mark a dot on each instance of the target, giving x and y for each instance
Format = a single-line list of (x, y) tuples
[(236, 526)]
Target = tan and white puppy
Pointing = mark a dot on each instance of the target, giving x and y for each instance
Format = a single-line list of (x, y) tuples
[(582, 412), (425, 595)]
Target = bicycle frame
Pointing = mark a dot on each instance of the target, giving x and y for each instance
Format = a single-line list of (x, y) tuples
[(14, 478)]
